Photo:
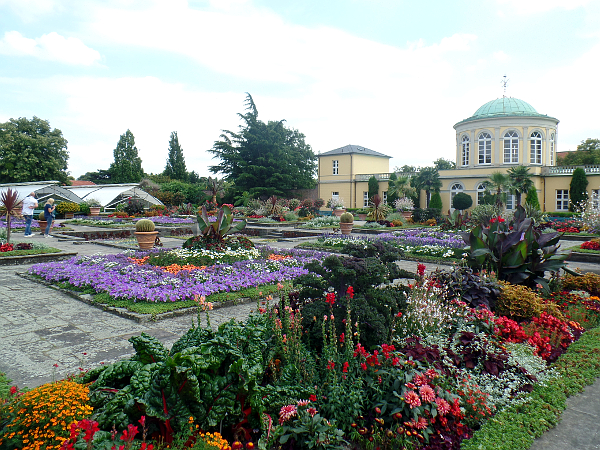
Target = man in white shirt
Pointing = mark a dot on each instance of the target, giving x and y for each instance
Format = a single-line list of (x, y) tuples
[(29, 204)]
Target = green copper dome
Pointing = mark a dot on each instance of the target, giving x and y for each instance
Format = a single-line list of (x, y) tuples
[(505, 106)]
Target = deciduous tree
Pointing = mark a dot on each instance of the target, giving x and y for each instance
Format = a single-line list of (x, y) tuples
[(31, 151)]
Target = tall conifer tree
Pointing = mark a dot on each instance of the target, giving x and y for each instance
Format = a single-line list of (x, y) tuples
[(127, 166), (175, 167)]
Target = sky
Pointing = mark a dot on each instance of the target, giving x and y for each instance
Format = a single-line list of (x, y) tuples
[(390, 75)]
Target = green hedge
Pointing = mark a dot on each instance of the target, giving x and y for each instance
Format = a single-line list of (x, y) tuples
[(516, 427)]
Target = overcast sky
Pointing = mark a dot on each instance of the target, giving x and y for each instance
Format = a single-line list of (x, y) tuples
[(390, 75)]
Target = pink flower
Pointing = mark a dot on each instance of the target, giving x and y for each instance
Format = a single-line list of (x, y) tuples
[(431, 374), (303, 402), (443, 406), (420, 379), (286, 413), (312, 411), (426, 393), (412, 399)]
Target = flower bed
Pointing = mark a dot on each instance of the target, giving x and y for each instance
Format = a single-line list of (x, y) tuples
[(121, 277)]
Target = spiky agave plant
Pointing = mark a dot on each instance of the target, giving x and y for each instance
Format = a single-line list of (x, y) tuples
[(378, 209), (10, 204)]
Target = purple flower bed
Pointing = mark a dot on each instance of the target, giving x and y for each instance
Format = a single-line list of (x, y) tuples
[(20, 223), (121, 278), (166, 220)]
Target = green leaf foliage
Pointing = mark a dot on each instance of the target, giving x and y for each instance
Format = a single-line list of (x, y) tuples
[(578, 189), (264, 158), (175, 167), (516, 251), (127, 166), (31, 151)]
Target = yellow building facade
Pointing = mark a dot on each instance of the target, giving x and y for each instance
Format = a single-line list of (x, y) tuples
[(504, 133), (344, 174)]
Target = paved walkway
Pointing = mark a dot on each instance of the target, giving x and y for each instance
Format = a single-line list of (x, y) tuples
[(46, 335)]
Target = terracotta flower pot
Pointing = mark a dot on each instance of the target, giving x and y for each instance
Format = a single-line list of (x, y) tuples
[(362, 217), (69, 215), (43, 224), (346, 228), (338, 212), (146, 239), (94, 210), (406, 214)]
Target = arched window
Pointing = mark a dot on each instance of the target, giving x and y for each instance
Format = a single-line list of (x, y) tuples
[(485, 148), (455, 189), (535, 146), (511, 147), (481, 190), (552, 149), (465, 151)]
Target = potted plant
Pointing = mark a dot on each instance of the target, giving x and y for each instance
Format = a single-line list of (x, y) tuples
[(94, 206), (405, 206), (346, 223), (68, 209), (362, 213), (336, 204), (42, 221), (145, 233)]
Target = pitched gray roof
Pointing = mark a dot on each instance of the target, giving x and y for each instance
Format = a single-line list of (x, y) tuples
[(356, 149)]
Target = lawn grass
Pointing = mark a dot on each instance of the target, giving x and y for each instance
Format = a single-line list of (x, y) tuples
[(153, 308), (33, 251)]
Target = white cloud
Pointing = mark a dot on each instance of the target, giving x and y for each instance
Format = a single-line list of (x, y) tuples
[(49, 47), (501, 56), (526, 7), (30, 10)]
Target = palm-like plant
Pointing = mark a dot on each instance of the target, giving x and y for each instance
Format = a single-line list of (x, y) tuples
[(214, 188), (498, 182), (520, 181), (428, 179), (10, 204), (401, 188), (378, 209)]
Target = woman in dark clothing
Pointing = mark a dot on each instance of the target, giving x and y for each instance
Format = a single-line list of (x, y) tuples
[(49, 216)]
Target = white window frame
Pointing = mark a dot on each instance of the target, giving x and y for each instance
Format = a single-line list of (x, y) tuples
[(365, 199), (455, 188), (562, 200), (535, 147), (485, 148), (511, 201), (336, 167), (481, 190), (465, 150), (335, 195), (511, 147)]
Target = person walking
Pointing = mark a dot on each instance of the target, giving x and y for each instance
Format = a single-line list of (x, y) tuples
[(49, 216), (29, 204)]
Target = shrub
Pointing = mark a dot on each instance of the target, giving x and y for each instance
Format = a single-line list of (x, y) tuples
[(532, 198), (462, 283), (67, 207), (482, 214), (462, 201), (589, 282), (134, 206), (518, 302), (424, 214), (436, 201)]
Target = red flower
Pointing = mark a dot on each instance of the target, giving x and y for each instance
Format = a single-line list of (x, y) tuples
[(412, 399), (330, 365), (330, 298), (313, 398), (345, 367), (350, 292)]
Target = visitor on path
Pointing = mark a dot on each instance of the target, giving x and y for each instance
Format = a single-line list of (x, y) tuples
[(29, 204), (49, 216)]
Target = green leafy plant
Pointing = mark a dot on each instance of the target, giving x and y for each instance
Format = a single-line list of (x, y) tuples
[(217, 231), (516, 251), (462, 201), (377, 209)]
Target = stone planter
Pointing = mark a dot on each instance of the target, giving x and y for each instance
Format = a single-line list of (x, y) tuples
[(406, 214), (146, 239), (94, 210), (338, 212), (69, 215), (346, 228)]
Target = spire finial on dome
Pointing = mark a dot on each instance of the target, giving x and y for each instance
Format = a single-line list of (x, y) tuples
[(504, 82)]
